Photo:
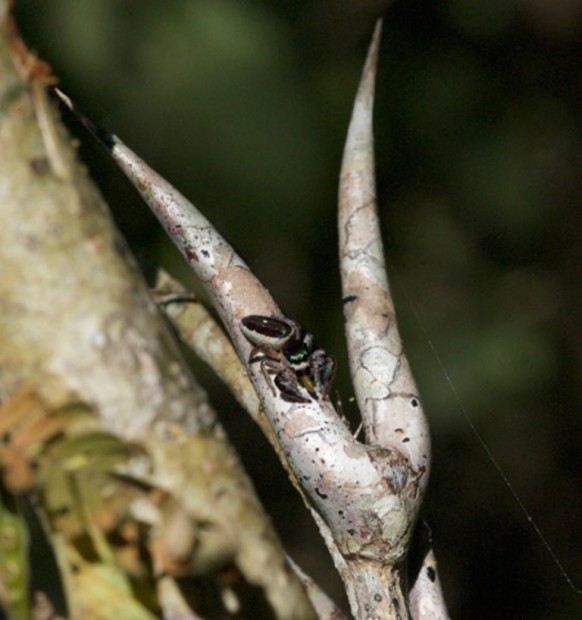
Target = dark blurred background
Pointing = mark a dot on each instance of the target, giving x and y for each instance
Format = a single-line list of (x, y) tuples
[(244, 105)]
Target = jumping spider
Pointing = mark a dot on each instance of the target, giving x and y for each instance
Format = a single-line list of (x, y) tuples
[(287, 353)]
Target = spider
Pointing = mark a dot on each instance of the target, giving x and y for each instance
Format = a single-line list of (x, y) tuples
[(286, 352)]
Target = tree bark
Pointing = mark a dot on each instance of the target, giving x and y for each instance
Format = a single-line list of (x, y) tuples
[(77, 325)]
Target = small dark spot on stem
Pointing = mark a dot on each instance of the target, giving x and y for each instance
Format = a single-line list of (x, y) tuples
[(431, 573), (205, 253), (105, 137), (349, 298), (39, 165), (322, 495), (414, 402), (377, 597)]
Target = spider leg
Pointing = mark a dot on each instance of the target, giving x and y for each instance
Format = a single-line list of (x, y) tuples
[(271, 362), (267, 369), (323, 371), (288, 385)]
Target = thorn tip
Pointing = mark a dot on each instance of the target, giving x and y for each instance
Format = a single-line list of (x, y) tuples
[(107, 139)]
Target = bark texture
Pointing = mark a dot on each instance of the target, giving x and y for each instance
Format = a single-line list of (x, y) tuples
[(77, 324)]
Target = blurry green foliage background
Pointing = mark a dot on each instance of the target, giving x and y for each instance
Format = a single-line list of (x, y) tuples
[(244, 105)]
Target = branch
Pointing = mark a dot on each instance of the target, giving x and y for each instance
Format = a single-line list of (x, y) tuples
[(364, 498), (387, 396), (342, 477), (201, 333), (77, 323)]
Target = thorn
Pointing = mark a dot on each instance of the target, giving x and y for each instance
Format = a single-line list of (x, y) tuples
[(109, 140)]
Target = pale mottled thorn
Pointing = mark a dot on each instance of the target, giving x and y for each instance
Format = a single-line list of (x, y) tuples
[(234, 289), (426, 601), (359, 148), (106, 138), (385, 390)]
